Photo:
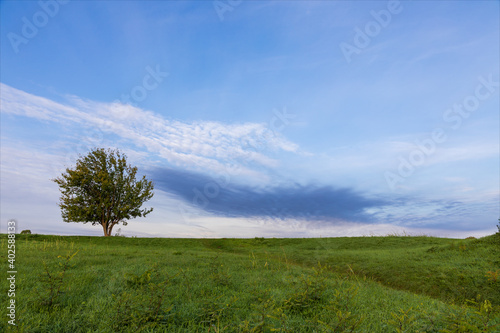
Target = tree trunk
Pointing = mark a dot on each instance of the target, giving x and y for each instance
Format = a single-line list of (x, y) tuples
[(105, 228), (110, 227)]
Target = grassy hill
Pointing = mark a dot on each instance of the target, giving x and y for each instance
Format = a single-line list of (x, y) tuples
[(360, 284)]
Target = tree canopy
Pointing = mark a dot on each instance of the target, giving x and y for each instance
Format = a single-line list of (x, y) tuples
[(102, 189)]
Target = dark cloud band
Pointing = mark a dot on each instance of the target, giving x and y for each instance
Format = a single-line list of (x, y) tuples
[(220, 197)]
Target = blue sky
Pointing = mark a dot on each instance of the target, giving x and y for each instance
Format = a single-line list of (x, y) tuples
[(258, 118)]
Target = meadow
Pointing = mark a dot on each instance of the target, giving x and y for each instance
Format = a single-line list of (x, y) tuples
[(356, 284)]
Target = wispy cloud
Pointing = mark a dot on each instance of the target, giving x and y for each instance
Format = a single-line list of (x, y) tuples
[(200, 145), (445, 214)]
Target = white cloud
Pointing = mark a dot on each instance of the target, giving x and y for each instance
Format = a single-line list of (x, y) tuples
[(201, 145)]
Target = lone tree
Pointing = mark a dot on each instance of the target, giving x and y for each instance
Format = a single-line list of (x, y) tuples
[(102, 189)]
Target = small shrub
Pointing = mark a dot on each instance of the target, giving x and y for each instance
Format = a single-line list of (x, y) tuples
[(259, 240), (432, 249), (218, 274), (269, 317), (481, 320), (343, 306), (142, 308), (493, 276), (140, 311), (139, 280), (26, 232), (343, 322), (212, 311), (308, 294), (402, 321), (53, 281)]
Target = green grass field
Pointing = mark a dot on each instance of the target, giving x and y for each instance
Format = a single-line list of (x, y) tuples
[(360, 284)]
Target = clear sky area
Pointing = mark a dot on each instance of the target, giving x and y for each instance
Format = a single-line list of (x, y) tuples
[(258, 118)]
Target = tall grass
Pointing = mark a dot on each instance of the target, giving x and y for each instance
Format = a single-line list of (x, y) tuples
[(365, 284)]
